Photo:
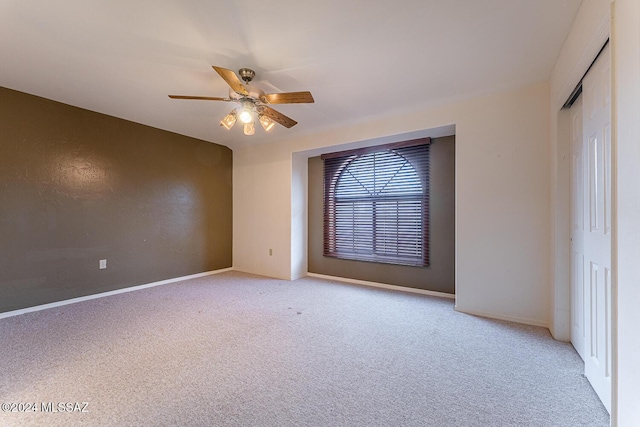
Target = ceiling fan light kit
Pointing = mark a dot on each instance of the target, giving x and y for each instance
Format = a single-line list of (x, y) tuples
[(246, 114), (249, 128), (229, 120), (266, 123), (253, 102)]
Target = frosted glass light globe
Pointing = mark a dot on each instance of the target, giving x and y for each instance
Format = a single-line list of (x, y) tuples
[(245, 116)]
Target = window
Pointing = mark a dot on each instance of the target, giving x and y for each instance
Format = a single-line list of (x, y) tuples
[(376, 204)]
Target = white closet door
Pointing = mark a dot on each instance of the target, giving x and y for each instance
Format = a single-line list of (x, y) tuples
[(597, 220)]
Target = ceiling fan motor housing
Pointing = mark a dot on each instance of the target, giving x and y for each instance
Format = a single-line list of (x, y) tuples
[(246, 74), (254, 94)]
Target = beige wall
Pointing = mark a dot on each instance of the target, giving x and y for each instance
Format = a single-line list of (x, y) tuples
[(78, 186), (502, 198), (440, 275)]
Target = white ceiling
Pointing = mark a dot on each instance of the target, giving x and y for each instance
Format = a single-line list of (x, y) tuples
[(359, 58)]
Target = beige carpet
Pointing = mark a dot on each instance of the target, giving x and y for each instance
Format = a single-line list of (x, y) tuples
[(240, 350)]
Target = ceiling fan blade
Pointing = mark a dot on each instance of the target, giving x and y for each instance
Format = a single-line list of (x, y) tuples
[(285, 121), (203, 98), (288, 98), (232, 80)]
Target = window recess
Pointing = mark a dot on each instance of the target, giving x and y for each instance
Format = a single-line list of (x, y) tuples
[(376, 204)]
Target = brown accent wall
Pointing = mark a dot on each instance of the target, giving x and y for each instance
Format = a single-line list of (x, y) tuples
[(440, 275), (78, 186)]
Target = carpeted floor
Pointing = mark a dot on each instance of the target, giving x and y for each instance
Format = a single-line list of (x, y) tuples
[(240, 350)]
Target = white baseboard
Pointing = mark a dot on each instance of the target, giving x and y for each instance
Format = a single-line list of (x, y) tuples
[(522, 320), (384, 286), (109, 293)]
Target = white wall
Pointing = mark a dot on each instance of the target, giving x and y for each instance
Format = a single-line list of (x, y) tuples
[(262, 211), (299, 215), (626, 52), (502, 197), (502, 184)]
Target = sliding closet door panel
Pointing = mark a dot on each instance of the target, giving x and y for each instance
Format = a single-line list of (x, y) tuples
[(597, 237)]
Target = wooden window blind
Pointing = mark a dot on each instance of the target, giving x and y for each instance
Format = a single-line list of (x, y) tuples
[(376, 204)]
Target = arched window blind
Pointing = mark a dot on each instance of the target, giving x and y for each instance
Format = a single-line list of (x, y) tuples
[(376, 204)]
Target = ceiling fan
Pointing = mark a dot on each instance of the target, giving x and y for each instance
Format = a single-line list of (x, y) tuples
[(253, 102)]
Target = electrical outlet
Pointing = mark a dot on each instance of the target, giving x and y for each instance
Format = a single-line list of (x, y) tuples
[(270, 252), (103, 264)]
